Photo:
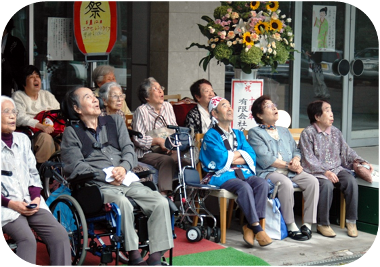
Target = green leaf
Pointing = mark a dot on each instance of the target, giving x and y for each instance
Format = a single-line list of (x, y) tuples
[(207, 18), (199, 46)]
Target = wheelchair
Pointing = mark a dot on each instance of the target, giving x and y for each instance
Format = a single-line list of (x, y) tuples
[(92, 226)]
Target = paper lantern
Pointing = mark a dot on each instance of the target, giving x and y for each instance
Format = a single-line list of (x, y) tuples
[(95, 28)]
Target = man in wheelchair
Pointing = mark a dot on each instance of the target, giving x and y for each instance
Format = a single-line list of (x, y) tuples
[(113, 149)]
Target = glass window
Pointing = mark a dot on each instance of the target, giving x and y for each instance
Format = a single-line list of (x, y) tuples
[(59, 76)]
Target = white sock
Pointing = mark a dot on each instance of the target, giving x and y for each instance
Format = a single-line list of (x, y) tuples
[(351, 221), (308, 225), (292, 227)]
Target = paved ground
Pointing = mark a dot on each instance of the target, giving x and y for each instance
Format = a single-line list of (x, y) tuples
[(319, 250)]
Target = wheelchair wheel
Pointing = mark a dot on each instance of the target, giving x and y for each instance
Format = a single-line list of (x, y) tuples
[(70, 215), (49, 183), (194, 234)]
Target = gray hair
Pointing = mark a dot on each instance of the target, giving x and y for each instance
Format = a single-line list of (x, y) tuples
[(143, 91), (7, 98), (100, 71), (105, 89)]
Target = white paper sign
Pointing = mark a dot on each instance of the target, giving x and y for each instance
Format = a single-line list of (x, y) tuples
[(244, 93), (60, 39)]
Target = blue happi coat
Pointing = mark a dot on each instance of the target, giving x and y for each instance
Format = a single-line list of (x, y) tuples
[(215, 157)]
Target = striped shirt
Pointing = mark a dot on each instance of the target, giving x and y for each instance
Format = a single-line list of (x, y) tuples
[(143, 121)]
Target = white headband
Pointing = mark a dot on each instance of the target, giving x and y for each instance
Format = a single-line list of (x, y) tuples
[(214, 102)]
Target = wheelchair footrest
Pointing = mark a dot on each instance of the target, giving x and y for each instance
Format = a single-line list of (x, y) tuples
[(106, 256)]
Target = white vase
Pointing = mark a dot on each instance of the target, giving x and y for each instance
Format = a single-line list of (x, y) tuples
[(241, 75)]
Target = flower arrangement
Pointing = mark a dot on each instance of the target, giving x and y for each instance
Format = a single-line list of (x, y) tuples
[(247, 35)]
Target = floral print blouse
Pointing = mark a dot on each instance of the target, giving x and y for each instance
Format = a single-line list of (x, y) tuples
[(325, 151)]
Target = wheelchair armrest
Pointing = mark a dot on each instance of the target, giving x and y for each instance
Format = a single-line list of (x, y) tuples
[(136, 133), (145, 173), (82, 178), (6, 173)]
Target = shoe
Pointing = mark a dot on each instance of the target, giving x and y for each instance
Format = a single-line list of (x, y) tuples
[(351, 229), (325, 230), (263, 239), (306, 231), (248, 236), (297, 235)]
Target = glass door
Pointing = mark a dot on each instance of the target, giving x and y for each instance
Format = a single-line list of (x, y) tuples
[(335, 37), (363, 126)]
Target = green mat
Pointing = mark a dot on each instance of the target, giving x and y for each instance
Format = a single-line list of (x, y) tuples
[(221, 257)]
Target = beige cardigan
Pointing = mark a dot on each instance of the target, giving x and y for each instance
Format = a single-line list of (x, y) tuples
[(29, 108)]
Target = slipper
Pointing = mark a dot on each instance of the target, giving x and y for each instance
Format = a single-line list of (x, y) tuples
[(297, 235)]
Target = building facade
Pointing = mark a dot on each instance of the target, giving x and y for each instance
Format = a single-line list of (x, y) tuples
[(152, 38)]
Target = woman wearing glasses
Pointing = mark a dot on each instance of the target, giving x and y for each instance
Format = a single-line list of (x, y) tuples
[(151, 96), (278, 160), (112, 97), (22, 206)]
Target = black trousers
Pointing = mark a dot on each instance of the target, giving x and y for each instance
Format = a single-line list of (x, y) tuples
[(252, 196)]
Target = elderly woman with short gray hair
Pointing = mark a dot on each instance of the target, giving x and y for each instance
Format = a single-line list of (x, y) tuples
[(105, 74), (112, 96), (151, 95)]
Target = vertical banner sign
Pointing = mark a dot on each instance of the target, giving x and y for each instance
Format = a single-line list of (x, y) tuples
[(60, 39), (244, 93), (95, 29)]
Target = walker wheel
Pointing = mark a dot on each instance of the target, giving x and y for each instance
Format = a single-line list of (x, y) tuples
[(206, 232), (216, 234), (193, 234)]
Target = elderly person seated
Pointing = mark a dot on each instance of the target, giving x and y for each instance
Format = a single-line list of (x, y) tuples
[(198, 117), (117, 152), (230, 163), (22, 206), (31, 101), (326, 155), (278, 160), (105, 74), (113, 97), (153, 105)]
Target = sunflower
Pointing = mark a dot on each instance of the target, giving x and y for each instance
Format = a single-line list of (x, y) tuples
[(273, 5), (247, 40), (254, 5), (261, 27), (275, 25)]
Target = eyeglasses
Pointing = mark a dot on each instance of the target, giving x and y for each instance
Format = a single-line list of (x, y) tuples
[(8, 112), (155, 88), (117, 97), (270, 106)]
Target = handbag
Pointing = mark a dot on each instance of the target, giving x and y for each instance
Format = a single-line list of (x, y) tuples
[(275, 225), (52, 118), (160, 132), (364, 171)]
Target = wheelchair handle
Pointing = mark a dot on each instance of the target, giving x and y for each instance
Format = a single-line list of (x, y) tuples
[(52, 164), (179, 129)]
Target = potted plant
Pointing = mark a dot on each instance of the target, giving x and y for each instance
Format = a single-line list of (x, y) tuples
[(247, 35)]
